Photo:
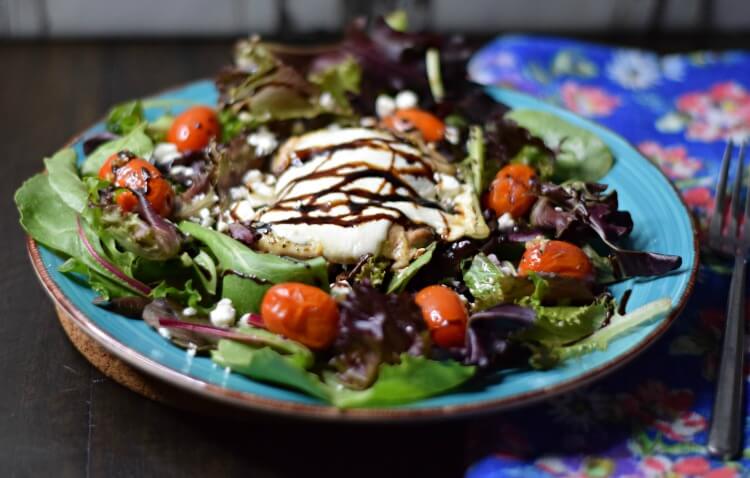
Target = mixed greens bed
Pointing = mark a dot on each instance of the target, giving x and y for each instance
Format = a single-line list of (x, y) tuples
[(358, 222)]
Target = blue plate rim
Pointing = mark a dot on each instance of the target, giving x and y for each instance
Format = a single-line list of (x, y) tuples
[(254, 402)]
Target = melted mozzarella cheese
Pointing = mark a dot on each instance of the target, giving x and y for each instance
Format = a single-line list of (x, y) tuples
[(342, 201)]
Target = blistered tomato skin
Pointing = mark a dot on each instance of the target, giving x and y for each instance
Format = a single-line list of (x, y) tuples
[(512, 190), (556, 257), (194, 128), (445, 315), (301, 312), (134, 174), (429, 125)]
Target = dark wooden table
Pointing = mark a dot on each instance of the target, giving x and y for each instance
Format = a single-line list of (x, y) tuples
[(58, 415), (61, 417)]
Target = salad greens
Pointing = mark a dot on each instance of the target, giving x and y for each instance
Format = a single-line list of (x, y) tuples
[(580, 154), (462, 282)]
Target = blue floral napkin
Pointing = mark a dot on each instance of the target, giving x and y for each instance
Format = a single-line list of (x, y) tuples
[(650, 418)]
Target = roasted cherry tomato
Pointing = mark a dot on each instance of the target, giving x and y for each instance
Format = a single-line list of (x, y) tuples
[(429, 125), (301, 312), (511, 191), (193, 128), (555, 257), (134, 174), (445, 315)]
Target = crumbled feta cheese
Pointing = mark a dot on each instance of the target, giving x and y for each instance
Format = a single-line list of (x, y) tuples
[(223, 314), (340, 289), (368, 122), (263, 189), (327, 101), (252, 176), (558, 209), (165, 153), (270, 179), (406, 99), (189, 311), (239, 192), (222, 225), (206, 220), (180, 170), (452, 135), (243, 211), (191, 350), (244, 320), (447, 184), (384, 105), (164, 332), (263, 141), (505, 222)]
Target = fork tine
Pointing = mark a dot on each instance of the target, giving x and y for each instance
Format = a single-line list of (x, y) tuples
[(746, 239), (714, 229), (734, 205)]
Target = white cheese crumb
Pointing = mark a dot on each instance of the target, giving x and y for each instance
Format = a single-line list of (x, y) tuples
[(164, 332), (451, 134), (263, 189), (327, 101), (447, 184), (222, 225), (505, 222), (239, 192), (223, 314), (189, 311), (191, 350), (252, 176), (340, 289), (205, 217), (558, 209), (181, 170), (243, 211), (384, 105), (165, 153), (263, 141), (244, 320), (406, 99), (368, 122)]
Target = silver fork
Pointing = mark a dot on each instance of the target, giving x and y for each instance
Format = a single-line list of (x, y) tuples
[(725, 434)]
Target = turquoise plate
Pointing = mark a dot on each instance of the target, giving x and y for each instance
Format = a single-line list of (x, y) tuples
[(662, 224)]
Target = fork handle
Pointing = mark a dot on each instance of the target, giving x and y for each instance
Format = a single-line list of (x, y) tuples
[(725, 435)]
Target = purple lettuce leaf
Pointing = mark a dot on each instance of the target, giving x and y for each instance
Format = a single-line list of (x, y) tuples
[(376, 328)]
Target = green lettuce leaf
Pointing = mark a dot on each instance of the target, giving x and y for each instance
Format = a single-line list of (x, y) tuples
[(473, 167), (541, 161), (415, 378), (491, 286), (125, 117), (619, 325), (46, 217), (186, 295), (245, 293), (581, 154), (64, 179), (373, 270), (235, 256), (403, 276), (560, 325), (136, 141), (268, 365), (338, 80)]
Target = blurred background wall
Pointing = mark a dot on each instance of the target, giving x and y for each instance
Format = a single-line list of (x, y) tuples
[(191, 18)]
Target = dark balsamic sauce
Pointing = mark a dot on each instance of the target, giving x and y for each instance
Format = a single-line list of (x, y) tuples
[(357, 200)]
